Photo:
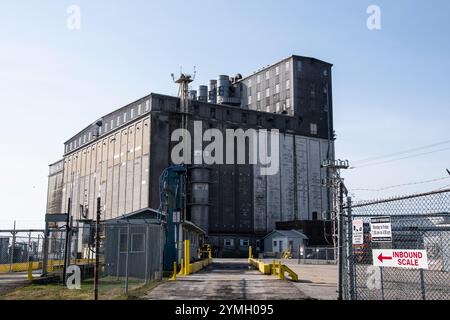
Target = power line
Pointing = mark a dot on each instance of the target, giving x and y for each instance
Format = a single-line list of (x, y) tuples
[(398, 159), (404, 185), (444, 187), (402, 152)]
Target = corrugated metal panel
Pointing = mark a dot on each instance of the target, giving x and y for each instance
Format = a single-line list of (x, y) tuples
[(228, 189), (259, 199), (324, 155), (273, 199), (130, 170), (301, 148), (315, 188), (245, 197), (287, 176)]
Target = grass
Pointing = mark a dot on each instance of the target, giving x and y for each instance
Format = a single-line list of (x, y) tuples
[(109, 289)]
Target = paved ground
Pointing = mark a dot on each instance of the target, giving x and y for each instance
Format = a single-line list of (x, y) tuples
[(10, 281), (232, 279), (226, 279), (316, 281)]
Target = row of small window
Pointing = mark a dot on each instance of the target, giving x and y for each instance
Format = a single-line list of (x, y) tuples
[(267, 73), (277, 90), (279, 106), (135, 243), (230, 242), (108, 126)]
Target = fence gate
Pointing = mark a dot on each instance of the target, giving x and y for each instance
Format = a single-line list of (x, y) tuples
[(397, 249)]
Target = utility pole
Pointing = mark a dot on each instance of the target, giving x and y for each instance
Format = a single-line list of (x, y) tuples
[(97, 248), (338, 189), (66, 247)]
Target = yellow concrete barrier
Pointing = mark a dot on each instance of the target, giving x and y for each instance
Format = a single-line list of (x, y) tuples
[(292, 274), (199, 265), (261, 266), (52, 265), (271, 269)]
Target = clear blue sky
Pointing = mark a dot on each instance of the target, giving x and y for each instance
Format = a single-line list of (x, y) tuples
[(391, 87)]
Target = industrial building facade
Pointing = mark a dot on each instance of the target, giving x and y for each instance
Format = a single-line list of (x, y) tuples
[(121, 156)]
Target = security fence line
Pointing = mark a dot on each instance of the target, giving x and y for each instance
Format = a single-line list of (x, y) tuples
[(20, 247), (397, 249), (130, 253)]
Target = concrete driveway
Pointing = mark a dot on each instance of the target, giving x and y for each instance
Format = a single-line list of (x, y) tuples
[(227, 279)]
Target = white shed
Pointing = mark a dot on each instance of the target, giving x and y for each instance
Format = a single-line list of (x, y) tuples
[(278, 241)]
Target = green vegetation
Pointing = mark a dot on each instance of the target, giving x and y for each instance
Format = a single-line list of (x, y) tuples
[(109, 289)]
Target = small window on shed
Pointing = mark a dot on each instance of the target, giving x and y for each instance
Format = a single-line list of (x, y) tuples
[(228, 242), (123, 242), (137, 242), (244, 242)]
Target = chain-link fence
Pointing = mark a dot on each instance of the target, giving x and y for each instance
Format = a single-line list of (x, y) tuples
[(317, 254), (397, 249), (19, 249), (130, 254)]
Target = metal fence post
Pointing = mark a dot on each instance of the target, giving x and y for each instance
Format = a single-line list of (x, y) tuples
[(37, 248), (29, 247), (13, 245), (127, 257), (118, 254), (341, 236), (422, 285), (97, 248), (146, 254), (350, 249), (382, 284)]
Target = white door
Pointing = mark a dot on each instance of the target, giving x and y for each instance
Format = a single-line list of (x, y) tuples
[(278, 245)]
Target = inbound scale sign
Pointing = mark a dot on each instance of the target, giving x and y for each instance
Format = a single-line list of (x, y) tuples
[(398, 258)]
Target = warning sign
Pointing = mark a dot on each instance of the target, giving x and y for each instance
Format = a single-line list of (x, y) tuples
[(358, 232), (398, 258), (380, 229)]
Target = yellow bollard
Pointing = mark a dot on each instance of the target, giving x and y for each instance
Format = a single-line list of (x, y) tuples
[(174, 275), (181, 267), (250, 255), (274, 271), (30, 270), (209, 254), (187, 258), (280, 271)]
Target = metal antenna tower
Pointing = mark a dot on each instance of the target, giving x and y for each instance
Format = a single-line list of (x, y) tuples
[(183, 82), (183, 92)]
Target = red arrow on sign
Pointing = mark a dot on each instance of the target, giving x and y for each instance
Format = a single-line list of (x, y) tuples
[(381, 258)]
